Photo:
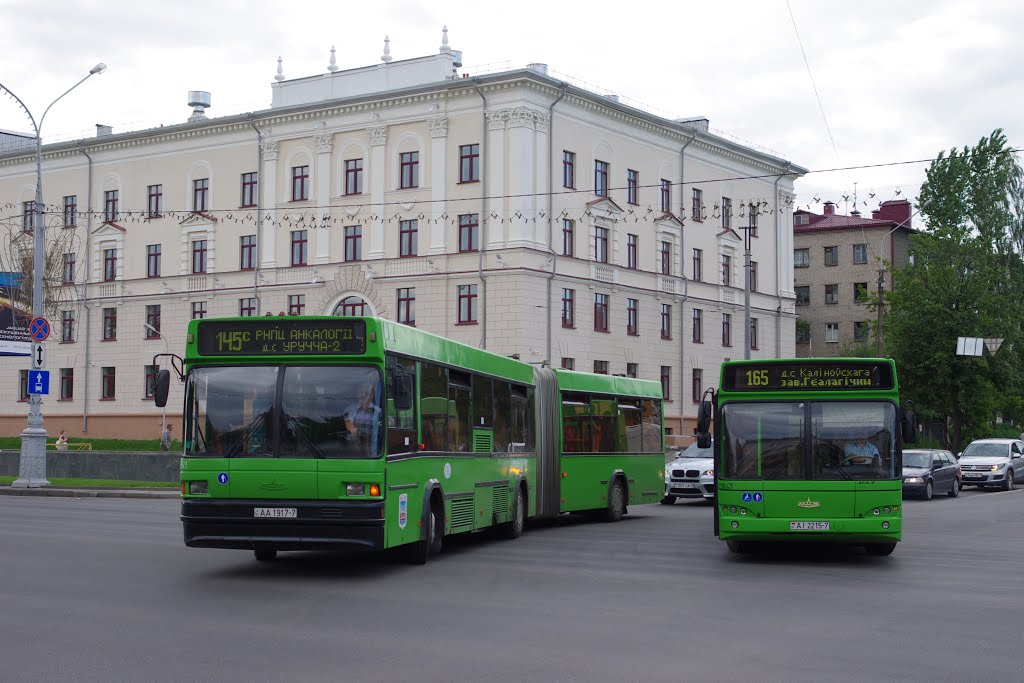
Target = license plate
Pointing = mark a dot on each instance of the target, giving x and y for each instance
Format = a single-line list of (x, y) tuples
[(808, 526), (973, 475), (275, 513), (687, 485)]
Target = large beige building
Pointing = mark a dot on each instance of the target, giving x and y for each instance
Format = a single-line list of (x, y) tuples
[(512, 211)]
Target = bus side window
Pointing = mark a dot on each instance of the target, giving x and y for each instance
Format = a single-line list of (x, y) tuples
[(502, 416), (401, 424), (652, 426), (433, 407)]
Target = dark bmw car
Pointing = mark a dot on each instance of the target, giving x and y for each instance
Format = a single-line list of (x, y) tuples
[(926, 472)]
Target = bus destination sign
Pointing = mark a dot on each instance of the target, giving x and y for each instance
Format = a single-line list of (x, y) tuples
[(276, 335), (810, 376)]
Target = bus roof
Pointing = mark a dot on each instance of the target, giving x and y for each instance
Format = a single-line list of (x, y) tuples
[(569, 380)]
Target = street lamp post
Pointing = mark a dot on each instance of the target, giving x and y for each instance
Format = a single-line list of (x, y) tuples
[(881, 275), (167, 349), (32, 464)]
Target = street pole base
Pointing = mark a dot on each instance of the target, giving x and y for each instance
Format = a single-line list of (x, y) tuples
[(29, 483)]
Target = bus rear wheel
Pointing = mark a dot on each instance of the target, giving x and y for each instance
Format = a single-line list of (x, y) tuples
[(514, 528), (880, 549), (616, 502), (264, 554)]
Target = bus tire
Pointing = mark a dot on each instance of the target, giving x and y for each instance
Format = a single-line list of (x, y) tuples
[(737, 547), (430, 544), (514, 528), (880, 549), (616, 502), (668, 500), (264, 553)]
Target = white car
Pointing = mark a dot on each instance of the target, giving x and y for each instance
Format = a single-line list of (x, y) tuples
[(690, 475)]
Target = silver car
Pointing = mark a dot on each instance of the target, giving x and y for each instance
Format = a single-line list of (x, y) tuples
[(691, 474), (992, 462)]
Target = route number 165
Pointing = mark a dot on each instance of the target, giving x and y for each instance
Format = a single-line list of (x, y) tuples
[(757, 378)]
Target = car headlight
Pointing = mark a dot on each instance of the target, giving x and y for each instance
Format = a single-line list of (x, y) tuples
[(913, 480), (996, 468), (708, 473)]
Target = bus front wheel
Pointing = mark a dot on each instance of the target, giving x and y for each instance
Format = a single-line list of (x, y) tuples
[(737, 547), (668, 500), (880, 549), (430, 544), (616, 502)]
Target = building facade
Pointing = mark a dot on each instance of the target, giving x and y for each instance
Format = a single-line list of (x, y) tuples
[(511, 211), (837, 262)]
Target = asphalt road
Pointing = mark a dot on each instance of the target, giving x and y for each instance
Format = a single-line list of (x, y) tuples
[(103, 589)]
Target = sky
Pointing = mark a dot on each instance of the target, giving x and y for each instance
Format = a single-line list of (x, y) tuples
[(863, 86)]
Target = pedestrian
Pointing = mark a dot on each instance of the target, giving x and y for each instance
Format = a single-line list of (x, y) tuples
[(165, 438), (62, 441)]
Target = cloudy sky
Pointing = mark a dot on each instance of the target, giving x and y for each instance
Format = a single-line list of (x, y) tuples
[(898, 80)]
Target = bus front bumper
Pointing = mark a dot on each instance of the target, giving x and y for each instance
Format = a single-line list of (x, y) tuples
[(315, 525), (843, 530)]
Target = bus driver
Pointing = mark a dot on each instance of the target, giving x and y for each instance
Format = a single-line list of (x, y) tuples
[(365, 423), (861, 452)]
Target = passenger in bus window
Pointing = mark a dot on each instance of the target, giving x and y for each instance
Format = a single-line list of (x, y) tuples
[(861, 452), (364, 423)]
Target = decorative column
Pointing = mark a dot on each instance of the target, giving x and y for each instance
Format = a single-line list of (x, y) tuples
[(438, 183), (268, 228), (784, 242), (322, 240), (378, 181), (496, 177)]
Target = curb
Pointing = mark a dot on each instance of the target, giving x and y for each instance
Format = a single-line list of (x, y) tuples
[(89, 493)]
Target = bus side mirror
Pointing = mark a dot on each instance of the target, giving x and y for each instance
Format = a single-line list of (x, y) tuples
[(704, 418), (163, 386), (703, 440), (403, 392), (909, 426)]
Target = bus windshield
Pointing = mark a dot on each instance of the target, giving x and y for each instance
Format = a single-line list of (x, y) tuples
[(846, 440), (284, 411)]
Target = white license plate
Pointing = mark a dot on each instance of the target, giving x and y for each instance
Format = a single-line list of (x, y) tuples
[(275, 513), (808, 526), (973, 475), (687, 485)]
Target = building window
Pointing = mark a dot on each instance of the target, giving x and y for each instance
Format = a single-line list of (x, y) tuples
[(408, 238), (469, 163), (467, 304), (753, 333), (250, 188), (568, 169), (152, 326), (67, 327), (831, 294), (70, 211), (860, 253), (665, 257), (353, 176), (696, 384), (247, 307), (632, 186), (300, 183), (109, 324), (568, 308), (199, 257), (632, 317), (568, 237), (67, 384), (860, 331), (68, 269), (631, 251), (296, 304), (803, 295), (601, 170), (726, 213), (154, 201), (22, 385), (632, 370), (600, 312), (600, 367), (110, 206), (200, 192), (860, 292), (803, 332), (247, 252), (801, 258), (752, 220), (698, 326), (350, 305), (753, 276), (698, 265), (353, 243), (300, 247), (726, 329), (407, 306), (568, 363), (108, 383), (666, 321), (697, 208), (831, 333), (666, 195), (153, 260), (198, 310), (149, 373), (726, 270), (831, 256), (666, 382), (109, 265), (468, 232), (410, 167), (601, 245)]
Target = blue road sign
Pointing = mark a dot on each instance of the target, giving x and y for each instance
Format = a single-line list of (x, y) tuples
[(39, 381), (758, 497), (222, 477), (747, 497), (39, 329)]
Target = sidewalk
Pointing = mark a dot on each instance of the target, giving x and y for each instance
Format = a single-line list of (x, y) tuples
[(85, 492)]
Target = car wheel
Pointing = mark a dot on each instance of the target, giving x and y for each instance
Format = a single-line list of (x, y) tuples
[(879, 549), (616, 503), (1008, 484), (927, 495), (954, 491), (668, 500)]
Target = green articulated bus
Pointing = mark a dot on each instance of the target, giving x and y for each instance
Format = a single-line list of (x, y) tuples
[(808, 450), (319, 433)]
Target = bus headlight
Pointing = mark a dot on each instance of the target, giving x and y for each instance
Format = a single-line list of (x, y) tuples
[(198, 488), (355, 489)]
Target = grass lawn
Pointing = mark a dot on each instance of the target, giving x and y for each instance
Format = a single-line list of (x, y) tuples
[(13, 443), (103, 483)]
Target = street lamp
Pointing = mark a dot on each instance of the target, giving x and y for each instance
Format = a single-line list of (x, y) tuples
[(881, 274), (167, 348), (32, 464)]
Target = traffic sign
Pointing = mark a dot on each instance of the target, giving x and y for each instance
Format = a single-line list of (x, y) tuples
[(38, 356), (39, 382), (39, 329)]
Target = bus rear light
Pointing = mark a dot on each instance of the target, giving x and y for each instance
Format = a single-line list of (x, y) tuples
[(198, 487), (374, 490), (355, 489)]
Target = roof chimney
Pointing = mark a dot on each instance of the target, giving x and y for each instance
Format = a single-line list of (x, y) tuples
[(199, 101), (102, 130), (895, 210), (830, 208)]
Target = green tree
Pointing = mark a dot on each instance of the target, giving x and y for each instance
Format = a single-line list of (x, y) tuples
[(966, 280)]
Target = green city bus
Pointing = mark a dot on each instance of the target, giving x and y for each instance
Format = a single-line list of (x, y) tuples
[(808, 450), (319, 433)]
